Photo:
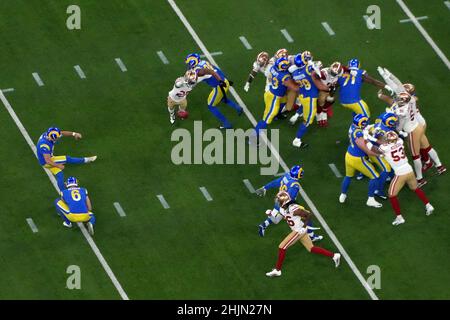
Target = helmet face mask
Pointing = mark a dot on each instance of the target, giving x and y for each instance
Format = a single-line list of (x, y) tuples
[(336, 69), (190, 77), (192, 60), (282, 198), (391, 137), (262, 59), (53, 133), (72, 182), (282, 64), (281, 53)]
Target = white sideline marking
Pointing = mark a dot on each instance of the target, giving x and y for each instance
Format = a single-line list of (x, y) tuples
[(249, 185), (287, 35), (121, 64), (162, 57), (424, 33), (7, 90), (79, 71), (328, 28), (119, 209), (335, 170), (368, 22), (206, 194), (277, 155), (87, 236), (163, 201), (38, 79), (447, 3), (409, 20), (217, 53), (32, 225), (245, 43)]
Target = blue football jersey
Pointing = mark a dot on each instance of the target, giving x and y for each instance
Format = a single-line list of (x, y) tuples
[(44, 146), (354, 133), (291, 185), (75, 198), (350, 87), (211, 81), (303, 77), (277, 78)]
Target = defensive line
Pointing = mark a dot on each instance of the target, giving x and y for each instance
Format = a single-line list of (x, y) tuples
[(311, 205), (85, 233)]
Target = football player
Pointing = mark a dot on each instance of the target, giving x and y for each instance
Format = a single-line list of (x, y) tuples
[(329, 77), (393, 151), (297, 217), (74, 205), (350, 83), (55, 164), (288, 182), (177, 96), (216, 79), (356, 159)]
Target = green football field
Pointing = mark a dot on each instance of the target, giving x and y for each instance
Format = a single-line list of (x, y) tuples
[(199, 249)]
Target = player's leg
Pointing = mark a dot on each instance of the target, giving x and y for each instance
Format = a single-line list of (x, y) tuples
[(321, 115), (273, 217), (59, 175), (226, 99), (395, 186), (309, 112), (349, 174), (272, 106), (429, 155), (414, 145), (63, 211), (412, 184), (385, 170), (214, 98), (290, 239), (298, 113), (72, 160), (310, 229), (364, 166), (171, 105), (307, 243)]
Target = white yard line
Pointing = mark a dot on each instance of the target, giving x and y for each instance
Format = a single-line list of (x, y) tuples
[(249, 185), (327, 27), (32, 225), (121, 64), (424, 33), (277, 155), (163, 57), (7, 90), (335, 170), (206, 194), (245, 43), (163, 201), (447, 3), (119, 209), (217, 53), (368, 22), (89, 239), (409, 20), (38, 79), (79, 71), (287, 35)]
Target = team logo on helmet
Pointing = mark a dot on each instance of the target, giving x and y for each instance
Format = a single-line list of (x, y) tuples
[(192, 60), (281, 53), (336, 69), (354, 64), (262, 58), (282, 198), (360, 120), (282, 64), (296, 172), (71, 182), (53, 133), (389, 120)]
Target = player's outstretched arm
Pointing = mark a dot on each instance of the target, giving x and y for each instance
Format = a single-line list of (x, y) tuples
[(377, 83), (76, 135), (363, 146), (251, 76), (385, 98)]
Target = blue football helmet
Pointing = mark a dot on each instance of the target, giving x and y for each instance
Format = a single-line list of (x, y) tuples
[(354, 64), (302, 59), (282, 64), (53, 133), (296, 172), (360, 120), (389, 120), (192, 60), (71, 182)]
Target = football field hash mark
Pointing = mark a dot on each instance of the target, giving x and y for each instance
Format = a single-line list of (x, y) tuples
[(79, 71), (249, 185), (245, 43), (7, 90), (121, 64), (447, 3), (38, 79), (276, 154), (163, 57), (119, 209), (217, 53), (85, 233), (287, 35), (327, 27), (409, 20), (163, 201), (32, 225), (206, 194), (335, 170)]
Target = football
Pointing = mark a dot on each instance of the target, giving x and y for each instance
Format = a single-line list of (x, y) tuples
[(182, 114)]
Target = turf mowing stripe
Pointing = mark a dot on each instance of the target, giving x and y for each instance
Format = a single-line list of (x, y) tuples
[(32, 225), (249, 185), (277, 156), (369, 22), (206, 194), (121, 65), (217, 53), (335, 170), (327, 27), (85, 233), (79, 71), (7, 90), (424, 33), (409, 20), (119, 209), (163, 201), (38, 79), (287, 35), (245, 43), (162, 57), (447, 3)]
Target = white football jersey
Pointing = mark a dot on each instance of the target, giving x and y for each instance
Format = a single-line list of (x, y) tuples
[(418, 115), (180, 90), (294, 222), (394, 153), (327, 79), (406, 117), (264, 70)]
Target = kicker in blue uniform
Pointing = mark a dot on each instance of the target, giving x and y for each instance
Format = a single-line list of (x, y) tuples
[(288, 182), (75, 206), (216, 79), (45, 147)]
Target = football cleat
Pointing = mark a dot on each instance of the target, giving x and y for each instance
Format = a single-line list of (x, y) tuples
[(90, 228), (274, 273), (427, 165), (67, 225), (297, 142), (172, 118), (429, 209), (261, 230), (90, 159), (342, 197), (441, 169), (360, 176), (294, 118), (380, 195), (337, 259), (316, 238), (398, 220), (421, 183), (371, 202)]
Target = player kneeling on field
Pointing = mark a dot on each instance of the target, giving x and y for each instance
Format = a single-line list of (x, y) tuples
[(75, 205), (297, 218)]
